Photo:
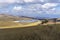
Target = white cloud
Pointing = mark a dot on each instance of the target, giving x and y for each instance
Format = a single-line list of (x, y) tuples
[(49, 5), (42, 0), (8, 1), (34, 6), (13, 1), (28, 0), (19, 1), (17, 8)]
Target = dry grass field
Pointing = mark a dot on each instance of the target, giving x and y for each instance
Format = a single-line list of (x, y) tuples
[(10, 30), (7, 21), (11, 24), (40, 32)]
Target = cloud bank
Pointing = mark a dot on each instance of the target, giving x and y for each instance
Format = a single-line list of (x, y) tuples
[(20, 1), (38, 7)]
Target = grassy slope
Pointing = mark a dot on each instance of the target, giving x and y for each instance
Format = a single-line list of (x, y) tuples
[(40, 32), (10, 24), (6, 17), (6, 21)]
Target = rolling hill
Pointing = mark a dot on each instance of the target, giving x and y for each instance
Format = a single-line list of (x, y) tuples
[(8, 21), (7, 17)]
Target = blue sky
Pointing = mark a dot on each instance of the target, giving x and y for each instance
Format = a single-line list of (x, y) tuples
[(31, 8)]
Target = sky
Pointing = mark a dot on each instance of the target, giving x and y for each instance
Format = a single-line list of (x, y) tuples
[(31, 8)]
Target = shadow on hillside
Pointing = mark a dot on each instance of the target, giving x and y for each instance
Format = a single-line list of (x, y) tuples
[(40, 32)]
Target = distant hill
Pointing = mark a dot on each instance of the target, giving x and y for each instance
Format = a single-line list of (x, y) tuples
[(8, 21), (7, 17)]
